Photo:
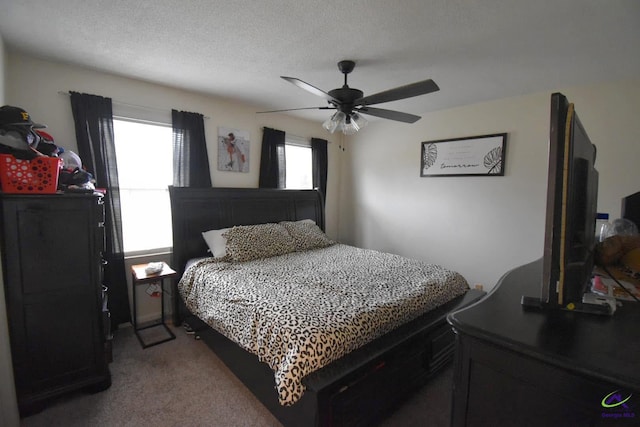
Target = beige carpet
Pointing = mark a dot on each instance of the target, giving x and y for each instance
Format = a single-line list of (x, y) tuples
[(183, 383)]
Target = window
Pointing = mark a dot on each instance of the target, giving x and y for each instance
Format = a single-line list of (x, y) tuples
[(299, 167), (144, 154)]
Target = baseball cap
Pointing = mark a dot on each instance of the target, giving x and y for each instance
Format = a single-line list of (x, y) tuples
[(45, 136), (10, 115)]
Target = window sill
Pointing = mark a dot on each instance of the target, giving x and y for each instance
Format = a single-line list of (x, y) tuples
[(148, 253)]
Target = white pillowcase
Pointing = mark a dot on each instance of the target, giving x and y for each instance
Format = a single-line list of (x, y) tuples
[(216, 242)]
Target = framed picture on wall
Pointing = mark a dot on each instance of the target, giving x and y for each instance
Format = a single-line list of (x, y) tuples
[(474, 155), (233, 150)]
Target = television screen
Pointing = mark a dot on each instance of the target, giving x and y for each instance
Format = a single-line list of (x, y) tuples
[(572, 196), (631, 208)]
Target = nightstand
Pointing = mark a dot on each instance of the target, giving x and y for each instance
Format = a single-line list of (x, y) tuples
[(139, 277)]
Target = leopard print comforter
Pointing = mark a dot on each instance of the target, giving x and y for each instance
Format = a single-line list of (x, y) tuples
[(300, 311)]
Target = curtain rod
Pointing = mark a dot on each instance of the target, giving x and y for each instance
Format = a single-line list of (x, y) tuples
[(298, 136), (61, 92)]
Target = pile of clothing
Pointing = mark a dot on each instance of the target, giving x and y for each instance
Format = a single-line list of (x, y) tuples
[(24, 139)]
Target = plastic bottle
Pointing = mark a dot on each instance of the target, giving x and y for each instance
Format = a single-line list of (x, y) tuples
[(602, 224)]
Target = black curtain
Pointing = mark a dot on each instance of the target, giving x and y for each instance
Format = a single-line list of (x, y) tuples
[(320, 162), (93, 119), (272, 160), (190, 160)]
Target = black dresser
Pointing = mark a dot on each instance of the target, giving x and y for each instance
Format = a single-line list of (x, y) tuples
[(56, 304), (515, 367)]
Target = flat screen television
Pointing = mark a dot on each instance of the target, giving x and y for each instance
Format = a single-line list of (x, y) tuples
[(631, 208), (572, 197)]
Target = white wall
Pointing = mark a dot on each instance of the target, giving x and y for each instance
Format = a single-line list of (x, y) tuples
[(481, 226), (8, 404)]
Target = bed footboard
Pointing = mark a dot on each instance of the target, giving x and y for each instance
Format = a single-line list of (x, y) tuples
[(361, 388)]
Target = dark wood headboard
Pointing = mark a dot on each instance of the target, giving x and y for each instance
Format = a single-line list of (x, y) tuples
[(194, 210)]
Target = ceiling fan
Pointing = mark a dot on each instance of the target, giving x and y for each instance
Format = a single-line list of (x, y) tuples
[(350, 102)]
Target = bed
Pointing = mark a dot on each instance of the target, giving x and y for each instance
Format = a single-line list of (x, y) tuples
[(358, 385)]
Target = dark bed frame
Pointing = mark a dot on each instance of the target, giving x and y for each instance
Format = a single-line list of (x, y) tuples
[(359, 389)]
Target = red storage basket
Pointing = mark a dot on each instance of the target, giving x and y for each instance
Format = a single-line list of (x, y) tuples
[(35, 176)]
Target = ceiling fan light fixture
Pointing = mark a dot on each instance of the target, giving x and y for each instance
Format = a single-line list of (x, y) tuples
[(358, 121), (349, 129), (335, 122), (353, 123), (348, 124)]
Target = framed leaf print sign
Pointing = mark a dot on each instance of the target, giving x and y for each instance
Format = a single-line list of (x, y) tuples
[(474, 155)]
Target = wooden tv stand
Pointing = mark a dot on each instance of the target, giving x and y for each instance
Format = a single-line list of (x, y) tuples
[(533, 368)]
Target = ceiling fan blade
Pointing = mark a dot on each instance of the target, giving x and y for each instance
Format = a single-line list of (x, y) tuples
[(295, 109), (389, 114), (402, 92), (310, 88)]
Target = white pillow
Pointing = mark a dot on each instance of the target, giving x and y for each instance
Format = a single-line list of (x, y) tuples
[(216, 242)]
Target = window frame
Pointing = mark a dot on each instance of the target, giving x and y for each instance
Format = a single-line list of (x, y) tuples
[(151, 251), (298, 141)]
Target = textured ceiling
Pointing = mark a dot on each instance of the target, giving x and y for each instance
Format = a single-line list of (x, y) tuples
[(474, 50)]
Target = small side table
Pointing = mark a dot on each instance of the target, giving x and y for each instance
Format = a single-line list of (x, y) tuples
[(139, 277)]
